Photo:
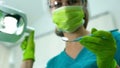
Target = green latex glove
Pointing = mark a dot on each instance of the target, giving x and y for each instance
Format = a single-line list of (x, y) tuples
[(103, 45), (28, 46)]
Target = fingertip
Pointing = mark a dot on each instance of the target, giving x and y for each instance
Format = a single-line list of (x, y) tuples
[(93, 30), (31, 36), (32, 32), (26, 37), (81, 41)]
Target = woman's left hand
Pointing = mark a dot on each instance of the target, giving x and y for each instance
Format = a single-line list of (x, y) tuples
[(103, 45)]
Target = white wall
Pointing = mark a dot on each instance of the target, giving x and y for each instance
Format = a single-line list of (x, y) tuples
[(4, 55), (100, 6), (47, 47)]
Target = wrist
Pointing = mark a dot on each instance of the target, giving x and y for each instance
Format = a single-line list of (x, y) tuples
[(106, 63), (29, 55)]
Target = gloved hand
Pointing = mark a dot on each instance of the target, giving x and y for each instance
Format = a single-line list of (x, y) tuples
[(103, 45), (28, 46)]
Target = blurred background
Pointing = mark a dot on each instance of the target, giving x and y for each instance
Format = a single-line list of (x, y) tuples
[(104, 14)]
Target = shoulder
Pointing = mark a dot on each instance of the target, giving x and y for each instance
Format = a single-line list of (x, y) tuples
[(59, 61), (51, 63), (116, 35)]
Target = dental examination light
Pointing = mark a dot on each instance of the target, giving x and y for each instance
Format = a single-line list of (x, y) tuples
[(13, 24)]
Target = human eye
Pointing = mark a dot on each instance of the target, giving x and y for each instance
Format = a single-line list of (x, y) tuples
[(56, 4), (72, 2)]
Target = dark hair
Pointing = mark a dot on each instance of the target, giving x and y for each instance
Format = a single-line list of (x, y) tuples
[(86, 18)]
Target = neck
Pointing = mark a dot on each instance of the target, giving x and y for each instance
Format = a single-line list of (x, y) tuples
[(80, 32), (73, 48)]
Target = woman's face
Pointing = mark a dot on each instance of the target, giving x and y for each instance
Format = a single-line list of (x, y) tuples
[(54, 4)]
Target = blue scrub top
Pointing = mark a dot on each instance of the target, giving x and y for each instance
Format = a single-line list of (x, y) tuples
[(85, 59)]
